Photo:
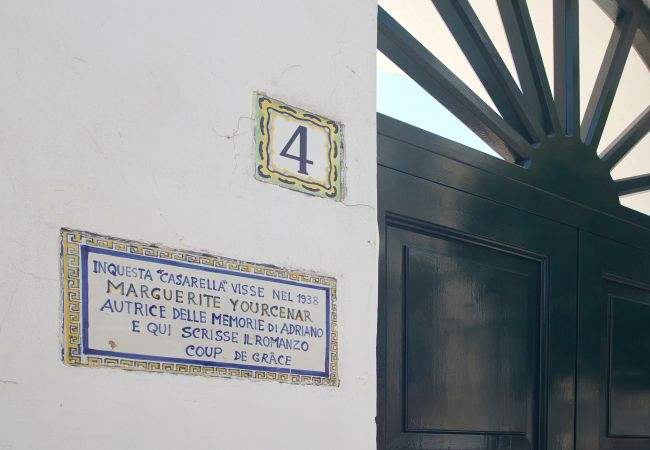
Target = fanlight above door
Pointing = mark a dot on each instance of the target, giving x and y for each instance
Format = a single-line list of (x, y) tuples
[(538, 127)]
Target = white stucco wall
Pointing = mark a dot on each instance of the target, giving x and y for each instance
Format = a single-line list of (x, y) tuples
[(133, 119)]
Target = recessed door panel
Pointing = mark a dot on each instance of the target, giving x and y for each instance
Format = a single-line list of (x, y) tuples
[(613, 395), (471, 335), (629, 365), (477, 322)]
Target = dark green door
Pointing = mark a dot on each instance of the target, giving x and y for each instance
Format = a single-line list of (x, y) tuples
[(613, 410), (477, 320), (506, 319), (514, 296)]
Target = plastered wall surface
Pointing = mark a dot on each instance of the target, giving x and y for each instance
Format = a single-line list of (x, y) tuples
[(134, 119)]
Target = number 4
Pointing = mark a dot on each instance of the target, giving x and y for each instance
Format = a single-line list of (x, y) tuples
[(301, 132)]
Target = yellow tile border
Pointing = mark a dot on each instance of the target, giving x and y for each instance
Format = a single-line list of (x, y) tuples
[(266, 109)]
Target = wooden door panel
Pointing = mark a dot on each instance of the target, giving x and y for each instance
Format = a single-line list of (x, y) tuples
[(477, 322), (613, 409), (629, 365), (471, 336)]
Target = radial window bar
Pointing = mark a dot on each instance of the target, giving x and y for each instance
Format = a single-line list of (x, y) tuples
[(566, 56), (482, 55), (620, 43), (435, 78), (627, 140), (607, 80), (401, 98), (529, 64)]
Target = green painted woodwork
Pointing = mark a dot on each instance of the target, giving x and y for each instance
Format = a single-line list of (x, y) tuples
[(514, 295)]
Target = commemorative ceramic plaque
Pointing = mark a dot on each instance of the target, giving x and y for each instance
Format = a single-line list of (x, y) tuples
[(141, 306)]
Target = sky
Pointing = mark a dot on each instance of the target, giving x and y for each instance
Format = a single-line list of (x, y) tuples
[(403, 99)]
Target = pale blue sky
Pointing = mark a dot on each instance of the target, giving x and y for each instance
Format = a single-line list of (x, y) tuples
[(402, 98)]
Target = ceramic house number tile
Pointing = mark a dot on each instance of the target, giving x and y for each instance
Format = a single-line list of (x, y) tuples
[(297, 149), (140, 306)]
